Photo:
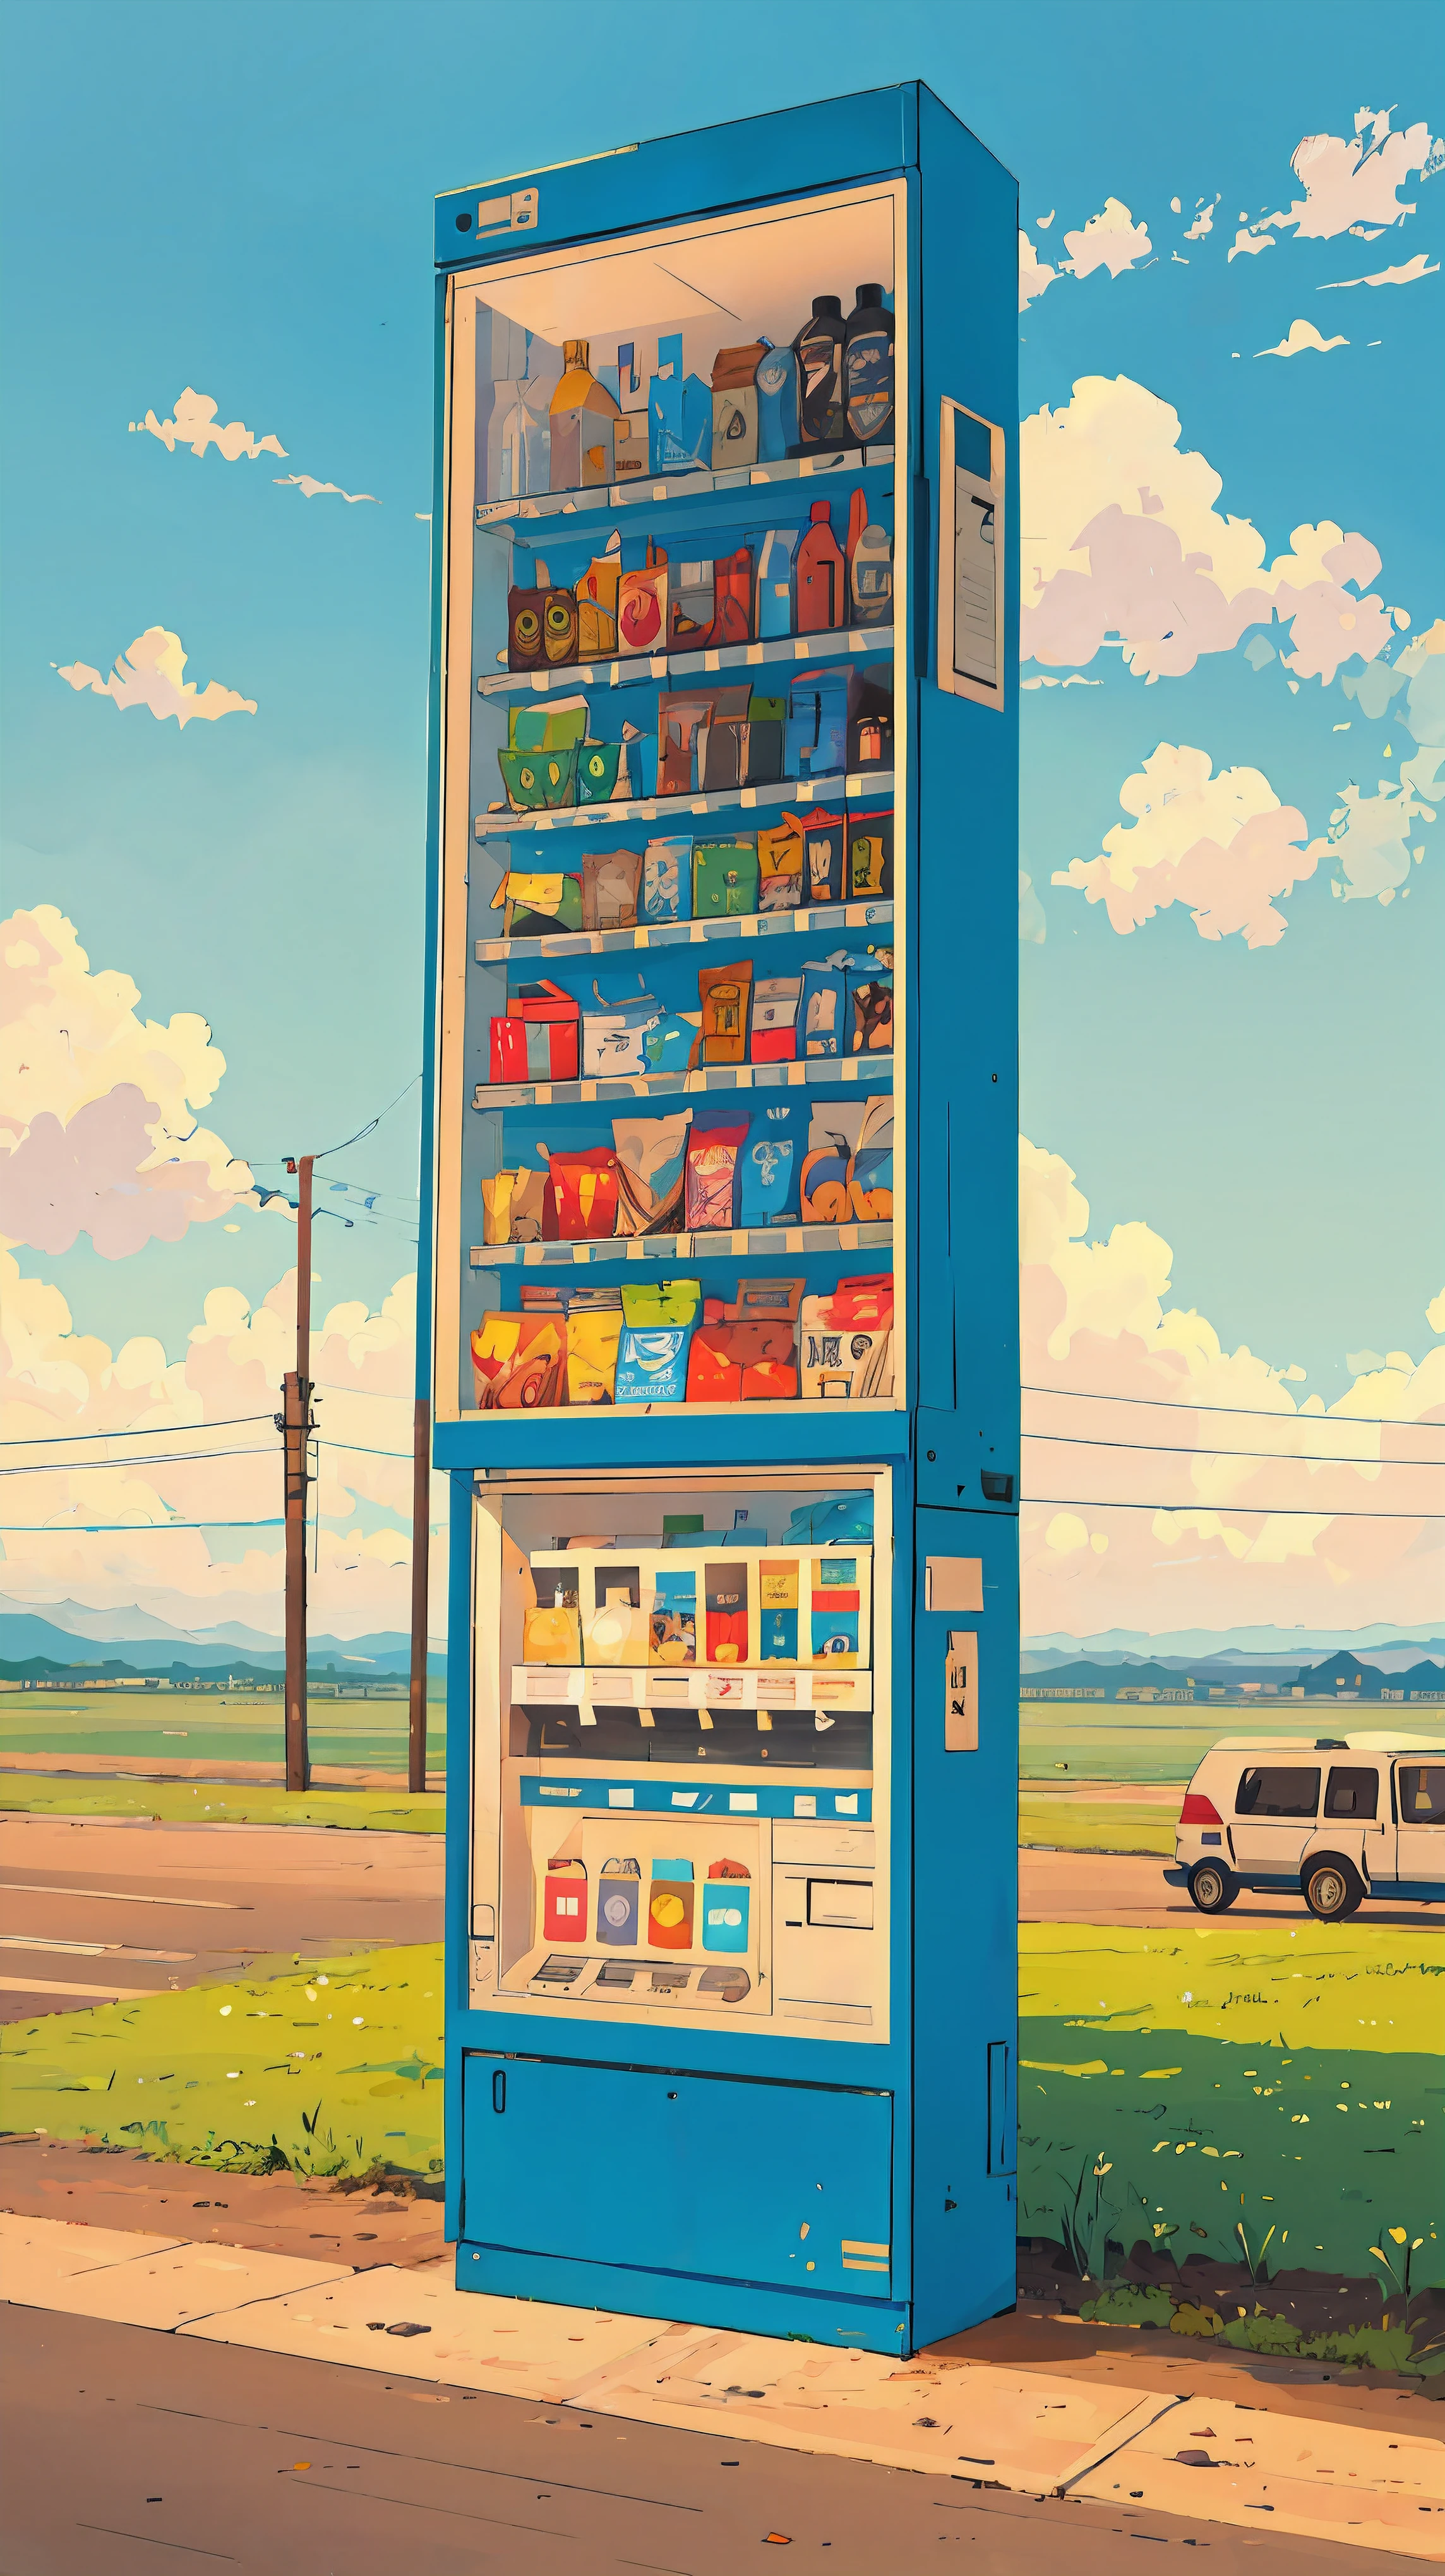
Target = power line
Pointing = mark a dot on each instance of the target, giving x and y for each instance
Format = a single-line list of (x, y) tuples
[(1168, 1404), (1277, 1457), (98, 1466), (74, 1529), (1250, 1511), (269, 1162), (153, 1431)]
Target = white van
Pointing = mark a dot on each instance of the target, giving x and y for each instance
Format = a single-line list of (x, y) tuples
[(1346, 1817)]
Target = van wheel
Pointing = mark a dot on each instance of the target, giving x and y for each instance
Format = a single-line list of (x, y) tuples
[(1212, 1886), (1332, 1890)]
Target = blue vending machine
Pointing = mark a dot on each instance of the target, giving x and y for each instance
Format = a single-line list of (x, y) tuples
[(723, 1242)]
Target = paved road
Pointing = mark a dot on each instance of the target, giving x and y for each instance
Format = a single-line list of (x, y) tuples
[(1104, 1887), (132, 2451), (95, 1908)]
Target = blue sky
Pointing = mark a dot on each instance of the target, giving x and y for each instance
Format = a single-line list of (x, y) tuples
[(242, 204)]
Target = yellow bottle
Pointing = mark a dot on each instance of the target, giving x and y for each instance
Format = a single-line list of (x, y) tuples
[(583, 421)]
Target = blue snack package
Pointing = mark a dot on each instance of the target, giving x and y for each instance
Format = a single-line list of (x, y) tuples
[(667, 879), (771, 1161), (652, 1364)]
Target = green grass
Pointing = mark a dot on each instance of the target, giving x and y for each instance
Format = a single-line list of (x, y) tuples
[(1100, 1825), (230, 1726), (1180, 2086), (336, 2068), (1167, 1740), (208, 1802)]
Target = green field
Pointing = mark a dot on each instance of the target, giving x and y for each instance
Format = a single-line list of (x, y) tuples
[(1154, 1741), (1288, 2079), (240, 1726), (1061, 1823), (206, 1802), (336, 2069)]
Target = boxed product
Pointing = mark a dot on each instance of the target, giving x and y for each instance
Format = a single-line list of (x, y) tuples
[(613, 1033), (741, 751), (615, 1626), (819, 706), (735, 406), (823, 854), (724, 878), (541, 625), (596, 595), (775, 1019), (512, 1207), (672, 1621), (642, 605), (870, 1006), (775, 582), (552, 1628), (870, 1168), (681, 715), (723, 993), (537, 1039), (846, 1341), (657, 1326)]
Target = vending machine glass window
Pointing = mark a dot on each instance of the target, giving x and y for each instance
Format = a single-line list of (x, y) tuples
[(672, 936), (681, 1720)]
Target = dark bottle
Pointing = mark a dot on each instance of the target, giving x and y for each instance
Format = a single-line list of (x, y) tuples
[(868, 370), (819, 352)]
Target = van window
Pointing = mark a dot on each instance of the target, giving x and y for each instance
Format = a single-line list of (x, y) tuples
[(1352, 1792), (1278, 1793), (1422, 1793)]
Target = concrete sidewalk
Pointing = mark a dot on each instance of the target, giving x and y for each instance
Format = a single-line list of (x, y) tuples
[(989, 2424)]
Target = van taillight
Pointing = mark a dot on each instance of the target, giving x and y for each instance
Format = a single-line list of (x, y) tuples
[(1199, 1810)]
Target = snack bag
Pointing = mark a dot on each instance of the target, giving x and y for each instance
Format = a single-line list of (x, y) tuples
[(583, 1191), (726, 1596), (672, 1637), (713, 1375), (613, 1036), (551, 1631), (771, 1162), (614, 1632), (823, 1021), (778, 1586), (870, 1171), (596, 595), (592, 1357), (650, 1153), (497, 1207), (723, 992), (711, 1177), (610, 881), (642, 606), (823, 836), (667, 880), (780, 866), (870, 855), (833, 1136), (515, 1362), (539, 905)]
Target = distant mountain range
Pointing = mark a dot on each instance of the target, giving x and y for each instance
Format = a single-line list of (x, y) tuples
[(32, 1648), (126, 1643)]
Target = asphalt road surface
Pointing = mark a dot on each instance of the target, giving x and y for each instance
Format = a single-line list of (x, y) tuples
[(131, 2451), (1109, 1887), (91, 1909)]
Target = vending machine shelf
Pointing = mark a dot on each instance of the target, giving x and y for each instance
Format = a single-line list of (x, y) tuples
[(728, 1244), (699, 1686), (851, 787), (814, 920), (653, 491), (639, 669), (860, 1072)]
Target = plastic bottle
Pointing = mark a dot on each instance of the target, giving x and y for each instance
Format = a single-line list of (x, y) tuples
[(583, 417), (819, 351), (776, 379), (868, 370), (821, 576)]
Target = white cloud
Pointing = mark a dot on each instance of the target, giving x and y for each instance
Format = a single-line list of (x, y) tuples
[(1234, 1541), (1032, 924), (1225, 846), (1121, 539), (150, 673), (1351, 182), (1420, 266), (1203, 223), (56, 1383), (1369, 837), (1301, 335), (193, 424), (307, 484), (1111, 239), (98, 1134), (1250, 244), (1035, 276), (1044, 221), (1435, 1313)]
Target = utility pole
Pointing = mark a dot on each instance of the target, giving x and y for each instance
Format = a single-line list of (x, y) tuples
[(294, 1423), (420, 1537)]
